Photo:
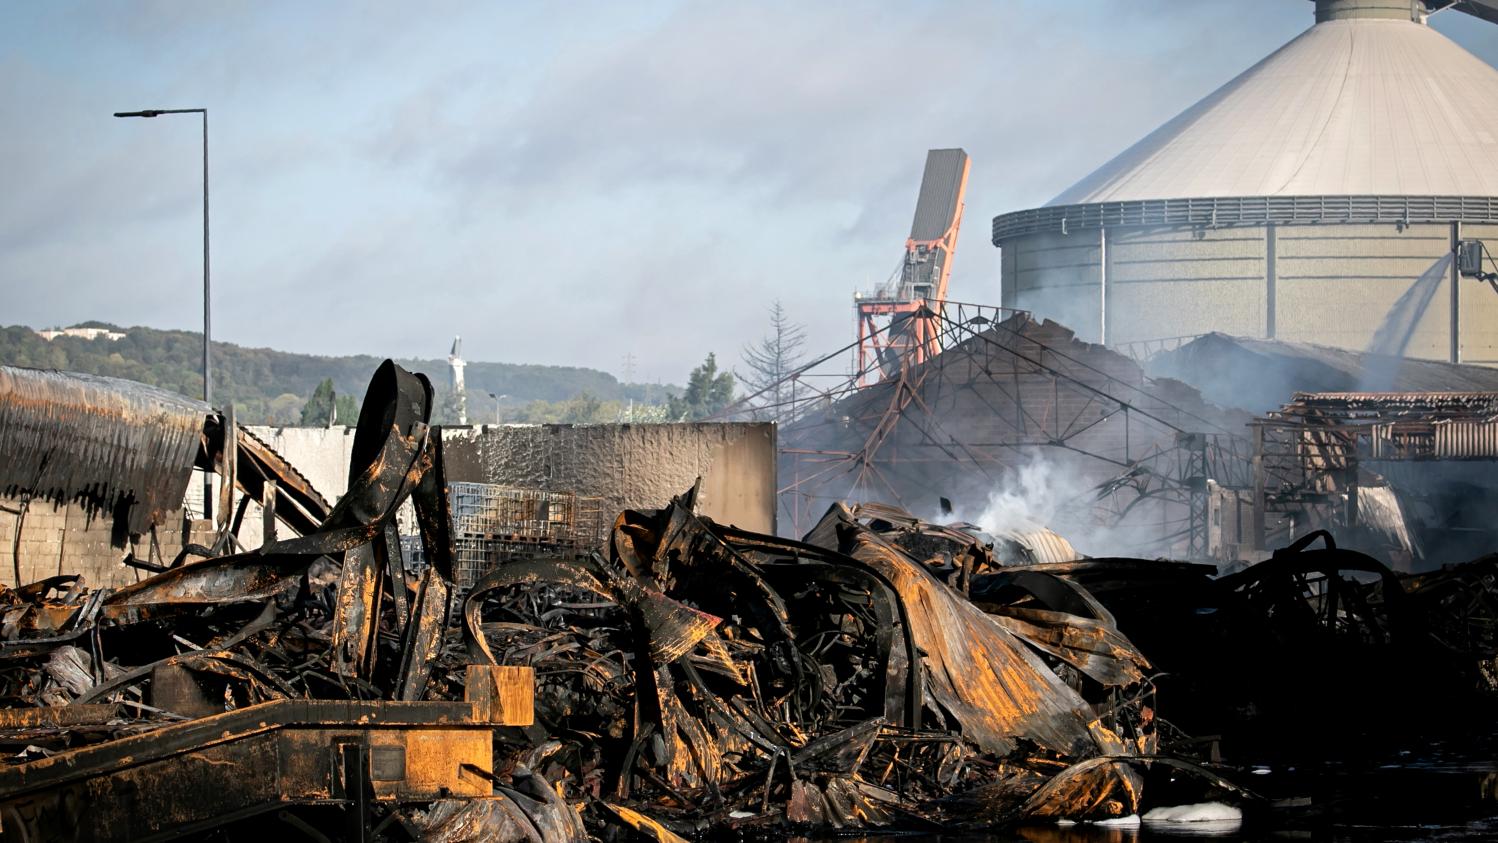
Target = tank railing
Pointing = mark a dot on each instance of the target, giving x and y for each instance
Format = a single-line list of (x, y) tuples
[(1220, 212)]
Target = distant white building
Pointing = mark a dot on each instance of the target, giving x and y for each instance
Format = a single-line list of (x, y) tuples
[(86, 333)]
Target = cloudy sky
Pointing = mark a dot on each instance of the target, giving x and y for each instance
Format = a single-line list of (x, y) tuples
[(559, 183)]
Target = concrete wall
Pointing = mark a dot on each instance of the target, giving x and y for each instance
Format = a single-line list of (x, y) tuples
[(320, 453), (69, 540), (631, 466), (1330, 284), (1172, 283)]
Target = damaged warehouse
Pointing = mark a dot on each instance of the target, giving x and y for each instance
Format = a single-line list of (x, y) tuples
[(692, 665), (683, 678), (1183, 539)]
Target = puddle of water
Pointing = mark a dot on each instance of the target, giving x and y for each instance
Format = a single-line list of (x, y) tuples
[(1438, 796)]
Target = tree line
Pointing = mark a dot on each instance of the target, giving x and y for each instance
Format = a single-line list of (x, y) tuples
[(273, 387)]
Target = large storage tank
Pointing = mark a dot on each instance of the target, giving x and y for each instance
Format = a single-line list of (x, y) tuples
[(1304, 200)]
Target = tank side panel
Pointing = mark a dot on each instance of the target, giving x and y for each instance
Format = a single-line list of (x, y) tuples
[(1055, 276), (1339, 283), (1173, 282), (1479, 309)]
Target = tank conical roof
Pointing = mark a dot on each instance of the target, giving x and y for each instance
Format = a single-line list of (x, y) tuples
[(1353, 106)]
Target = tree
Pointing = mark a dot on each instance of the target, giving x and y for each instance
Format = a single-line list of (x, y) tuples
[(582, 408), (282, 410), (708, 391), (316, 412), (771, 361)]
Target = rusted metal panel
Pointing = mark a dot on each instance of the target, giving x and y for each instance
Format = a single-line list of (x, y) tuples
[(502, 694), (996, 688), (109, 442), (59, 715), (302, 506)]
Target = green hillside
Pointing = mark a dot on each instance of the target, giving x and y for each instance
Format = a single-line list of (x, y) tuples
[(270, 387)]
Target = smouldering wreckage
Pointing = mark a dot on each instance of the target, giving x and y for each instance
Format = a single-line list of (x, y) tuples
[(882, 672)]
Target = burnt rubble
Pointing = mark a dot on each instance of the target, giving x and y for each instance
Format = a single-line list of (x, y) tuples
[(689, 679)]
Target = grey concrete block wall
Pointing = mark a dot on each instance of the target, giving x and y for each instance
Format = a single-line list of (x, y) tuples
[(1172, 283), (68, 539), (1338, 283), (1055, 275), (1479, 305)]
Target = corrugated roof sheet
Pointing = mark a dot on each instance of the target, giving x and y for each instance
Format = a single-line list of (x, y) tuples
[(66, 435), (1361, 106), (940, 186)]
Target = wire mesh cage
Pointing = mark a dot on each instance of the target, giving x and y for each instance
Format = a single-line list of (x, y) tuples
[(493, 524)]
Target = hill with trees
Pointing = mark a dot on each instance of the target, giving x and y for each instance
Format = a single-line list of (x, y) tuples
[(272, 387)]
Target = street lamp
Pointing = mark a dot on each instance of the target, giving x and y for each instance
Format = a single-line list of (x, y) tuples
[(497, 399), (207, 379)]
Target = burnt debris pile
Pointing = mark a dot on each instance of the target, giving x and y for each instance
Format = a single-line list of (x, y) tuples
[(687, 679)]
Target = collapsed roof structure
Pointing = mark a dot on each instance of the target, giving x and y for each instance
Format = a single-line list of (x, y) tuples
[(1258, 375), (1097, 449)]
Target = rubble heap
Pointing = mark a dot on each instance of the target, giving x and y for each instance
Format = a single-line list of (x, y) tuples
[(690, 678)]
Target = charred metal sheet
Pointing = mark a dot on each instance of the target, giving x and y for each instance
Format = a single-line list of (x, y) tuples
[(194, 774), (530, 809), (433, 508), (385, 465), (424, 633), (109, 442), (301, 506), (981, 674), (356, 613), (227, 579)]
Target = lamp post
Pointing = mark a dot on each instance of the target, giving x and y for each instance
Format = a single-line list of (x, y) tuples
[(207, 376), (497, 399)]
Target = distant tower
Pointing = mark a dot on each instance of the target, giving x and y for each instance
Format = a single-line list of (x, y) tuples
[(460, 392)]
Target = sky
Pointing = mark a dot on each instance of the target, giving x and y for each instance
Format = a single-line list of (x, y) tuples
[(559, 183)]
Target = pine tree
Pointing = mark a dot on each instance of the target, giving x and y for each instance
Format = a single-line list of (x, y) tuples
[(317, 409), (772, 360), (708, 391)]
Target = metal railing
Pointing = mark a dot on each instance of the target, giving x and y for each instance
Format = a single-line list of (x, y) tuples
[(1212, 212)]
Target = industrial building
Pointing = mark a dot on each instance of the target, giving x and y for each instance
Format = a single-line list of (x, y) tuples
[(1087, 444), (1317, 197)]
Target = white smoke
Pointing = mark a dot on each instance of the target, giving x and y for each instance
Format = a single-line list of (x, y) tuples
[(1047, 492), (1033, 498)]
